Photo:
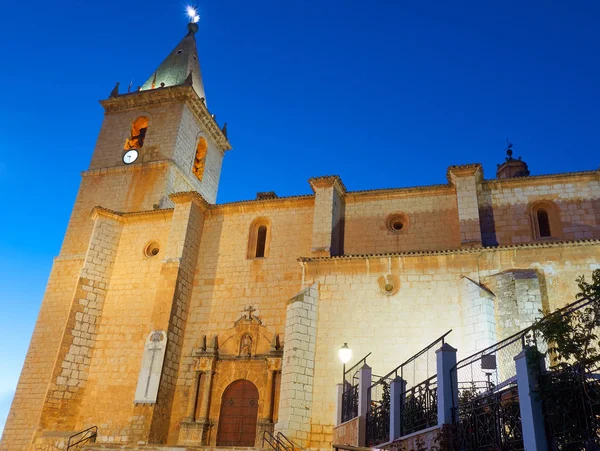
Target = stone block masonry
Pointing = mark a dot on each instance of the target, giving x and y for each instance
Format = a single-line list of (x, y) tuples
[(295, 405)]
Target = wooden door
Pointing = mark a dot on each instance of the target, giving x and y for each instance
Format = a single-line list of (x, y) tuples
[(239, 412)]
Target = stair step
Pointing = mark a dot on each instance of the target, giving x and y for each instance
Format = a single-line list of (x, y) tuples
[(131, 447)]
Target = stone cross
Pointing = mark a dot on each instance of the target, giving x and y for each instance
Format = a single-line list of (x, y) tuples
[(151, 368), (250, 310)]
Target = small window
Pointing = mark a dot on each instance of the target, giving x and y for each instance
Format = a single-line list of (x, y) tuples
[(543, 223), (200, 158), (259, 238), (261, 241), (396, 222), (138, 133), (545, 220)]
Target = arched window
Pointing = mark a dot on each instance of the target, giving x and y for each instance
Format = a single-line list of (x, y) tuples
[(200, 158), (261, 241), (543, 223), (259, 238), (138, 133), (545, 220)]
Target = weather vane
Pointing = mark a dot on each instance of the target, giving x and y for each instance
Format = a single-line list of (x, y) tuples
[(509, 151), (192, 13)]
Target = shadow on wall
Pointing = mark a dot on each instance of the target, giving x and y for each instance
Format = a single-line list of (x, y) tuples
[(514, 224)]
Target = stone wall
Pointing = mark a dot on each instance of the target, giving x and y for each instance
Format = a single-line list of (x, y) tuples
[(432, 220), (431, 299), (226, 282), (347, 433), (505, 206)]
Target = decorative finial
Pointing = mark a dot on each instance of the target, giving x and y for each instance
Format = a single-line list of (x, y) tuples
[(115, 91), (224, 129), (193, 17), (154, 81), (129, 87), (509, 151)]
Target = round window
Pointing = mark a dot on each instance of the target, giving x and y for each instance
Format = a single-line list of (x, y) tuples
[(151, 249), (397, 222), (388, 284)]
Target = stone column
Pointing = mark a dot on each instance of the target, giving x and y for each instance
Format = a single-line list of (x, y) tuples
[(338, 403), (193, 398), (447, 390), (295, 402), (273, 366), (479, 318), (207, 378), (529, 367), (467, 179), (397, 388), (328, 216)]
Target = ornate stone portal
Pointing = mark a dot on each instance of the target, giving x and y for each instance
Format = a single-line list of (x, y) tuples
[(248, 351)]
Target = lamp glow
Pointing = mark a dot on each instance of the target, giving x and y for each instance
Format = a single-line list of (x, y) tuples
[(345, 353), (192, 14)]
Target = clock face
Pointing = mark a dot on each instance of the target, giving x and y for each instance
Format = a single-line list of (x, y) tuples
[(130, 156)]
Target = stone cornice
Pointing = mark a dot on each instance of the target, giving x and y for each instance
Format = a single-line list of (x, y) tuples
[(465, 170), (565, 177), (121, 217), (472, 250), (128, 168), (191, 196), (395, 193), (262, 204), (141, 99), (327, 181)]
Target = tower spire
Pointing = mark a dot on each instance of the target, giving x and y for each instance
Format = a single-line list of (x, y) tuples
[(178, 65)]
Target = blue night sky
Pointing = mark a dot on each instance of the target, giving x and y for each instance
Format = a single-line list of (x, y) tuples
[(383, 93)]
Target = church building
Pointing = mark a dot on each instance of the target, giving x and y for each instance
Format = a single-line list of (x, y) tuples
[(169, 319)]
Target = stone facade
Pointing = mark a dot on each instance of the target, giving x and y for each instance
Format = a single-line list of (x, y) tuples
[(387, 271)]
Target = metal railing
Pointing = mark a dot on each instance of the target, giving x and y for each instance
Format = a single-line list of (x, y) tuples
[(356, 365), (349, 402), (85, 436), (419, 407), (417, 368), (417, 371), (350, 391), (277, 442)]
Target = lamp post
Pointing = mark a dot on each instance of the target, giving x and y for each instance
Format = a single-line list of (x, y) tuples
[(345, 354)]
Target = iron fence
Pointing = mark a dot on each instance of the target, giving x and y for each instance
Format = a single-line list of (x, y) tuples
[(349, 402), (486, 413), (491, 421), (415, 371), (570, 391), (350, 392), (572, 409), (419, 407)]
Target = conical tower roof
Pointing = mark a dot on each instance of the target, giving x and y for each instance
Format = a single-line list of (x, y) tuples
[(176, 68)]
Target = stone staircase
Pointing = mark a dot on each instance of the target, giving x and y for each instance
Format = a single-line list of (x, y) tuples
[(115, 447)]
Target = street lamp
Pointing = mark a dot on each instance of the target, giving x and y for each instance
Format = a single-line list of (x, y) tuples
[(345, 354)]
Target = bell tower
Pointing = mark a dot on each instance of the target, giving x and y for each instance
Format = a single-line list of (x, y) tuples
[(154, 141)]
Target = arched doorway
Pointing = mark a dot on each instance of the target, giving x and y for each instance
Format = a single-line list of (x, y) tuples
[(239, 411)]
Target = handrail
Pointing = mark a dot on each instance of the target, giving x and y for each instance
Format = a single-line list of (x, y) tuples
[(281, 435), (364, 359), (270, 440), (567, 309), (414, 357), (84, 437)]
